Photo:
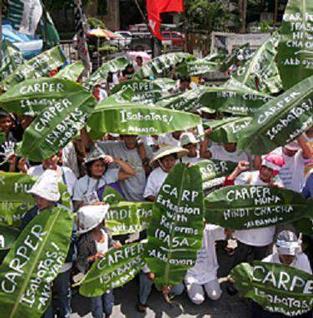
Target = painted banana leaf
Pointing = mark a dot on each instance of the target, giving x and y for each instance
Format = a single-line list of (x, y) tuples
[(114, 270), (274, 287), (111, 196), (56, 125), (37, 67), (210, 63), (232, 97), (260, 72), (33, 262), (11, 59), (295, 50), (213, 172), (31, 97), (101, 74), (143, 91), (71, 72), (175, 230), (304, 226), (162, 64), (14, 199), (8, 236), (226, 130), (134, 119), (280, 121), (250, 207), (238, 56), (128, 217)]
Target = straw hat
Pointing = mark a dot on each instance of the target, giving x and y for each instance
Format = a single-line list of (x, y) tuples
[(168, 150), (46, 186), (94, 155), (293, 146), (188, 138), (90, 216)]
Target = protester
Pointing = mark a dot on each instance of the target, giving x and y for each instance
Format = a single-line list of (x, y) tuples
[(89, 188), (46, 194), (189, 142), (137, 154), (94, 242), (65, 175), (254, 244), (203, 276), (165, 159), (287, 251), (139, 63)]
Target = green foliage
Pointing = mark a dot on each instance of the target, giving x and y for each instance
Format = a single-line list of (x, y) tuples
[(95, 23)]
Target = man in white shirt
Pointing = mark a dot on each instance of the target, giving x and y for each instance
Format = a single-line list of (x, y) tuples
[(295, 155)]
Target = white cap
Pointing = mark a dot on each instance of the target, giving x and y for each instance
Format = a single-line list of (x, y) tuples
[(46, 186), (188, 138), (287, 243), (90, 216)]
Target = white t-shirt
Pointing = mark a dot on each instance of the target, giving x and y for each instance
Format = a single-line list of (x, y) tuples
[(219, 153), (65, 176), (154, 182), (205, 269), (69, 158), (254, 237), (87, 185), (168, 139), (103, 247), (301, 261), (292, 174)]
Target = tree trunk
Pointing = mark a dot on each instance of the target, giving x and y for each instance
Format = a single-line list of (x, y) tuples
[(243, 15)]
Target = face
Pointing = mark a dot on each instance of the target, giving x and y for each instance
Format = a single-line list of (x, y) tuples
[(139, 61), (168, 163), (231, 147), (177, 134), (6, 124), (266, 174), (286, 259), (192, 148), (288, 152), (97, 169), (130, 141), (184, 85), (25, 121), (42, 203), (51, 163)]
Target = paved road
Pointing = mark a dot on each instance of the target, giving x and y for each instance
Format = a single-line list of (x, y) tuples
[(126, 298)]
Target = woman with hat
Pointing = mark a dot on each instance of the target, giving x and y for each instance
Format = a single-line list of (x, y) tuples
[(287, 251), (189, 142), (87, 189), (94, 242), (46, 194), (165, 159)]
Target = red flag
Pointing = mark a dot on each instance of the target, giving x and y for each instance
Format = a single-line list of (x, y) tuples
[(156, 7)]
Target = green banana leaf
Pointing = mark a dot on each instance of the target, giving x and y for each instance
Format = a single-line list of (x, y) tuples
[(162, 64), (11, 59), (71, 72), (33, 262), (213, 172), (2, 138), (144, 91), (295, 50), (133, 119), (8, 237), (175, 230), (111, 196), (37, 67), (275, 287), (56, 125), (114, 270), (128, 217), (304, 226), (226, 130), (101, 74), (250, 207), (210, 63), (238, 56), (232, 97), (260, 72), (280, 121), (33, 96), (14, 199)]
